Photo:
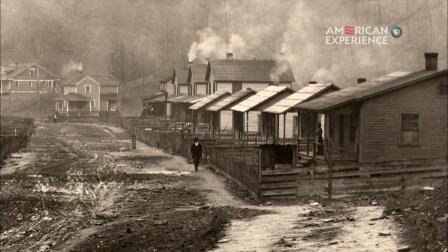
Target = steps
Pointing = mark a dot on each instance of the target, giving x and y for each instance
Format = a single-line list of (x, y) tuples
[(279, 185)]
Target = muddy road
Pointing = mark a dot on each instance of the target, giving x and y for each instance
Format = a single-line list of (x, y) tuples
[(79, 187)]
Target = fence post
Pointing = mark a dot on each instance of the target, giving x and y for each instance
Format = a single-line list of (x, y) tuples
[(330, 170), (134, 141)]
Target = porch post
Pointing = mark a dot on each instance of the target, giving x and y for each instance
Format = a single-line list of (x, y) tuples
[(90, 106), (308, 134), (284, 127)]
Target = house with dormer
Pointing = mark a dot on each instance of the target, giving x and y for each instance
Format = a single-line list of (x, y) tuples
[(27, 78)]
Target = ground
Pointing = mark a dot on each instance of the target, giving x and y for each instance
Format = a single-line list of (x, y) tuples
[(79, 187)]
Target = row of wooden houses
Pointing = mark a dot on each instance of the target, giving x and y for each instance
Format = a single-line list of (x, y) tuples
[(400, 116)]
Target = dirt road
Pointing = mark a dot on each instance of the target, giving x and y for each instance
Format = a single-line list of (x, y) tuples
[(80, 187)]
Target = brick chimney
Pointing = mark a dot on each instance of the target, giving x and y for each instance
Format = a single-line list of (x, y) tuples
[(361, 80), (431, 61), (229, 56)]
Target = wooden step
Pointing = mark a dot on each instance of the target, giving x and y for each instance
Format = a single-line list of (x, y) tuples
[(278, 185)]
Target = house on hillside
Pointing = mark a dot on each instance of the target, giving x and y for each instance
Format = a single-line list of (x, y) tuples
[(27, 78), (196, 78), (88, 95), (232, 75), (399, 117), (287, 122)]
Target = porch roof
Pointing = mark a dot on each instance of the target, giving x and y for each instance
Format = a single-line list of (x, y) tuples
[(304, 94), (74, 97), (160, 96), (367, 90), (260, 97), (186, 99), (209, 100), (231, 100)]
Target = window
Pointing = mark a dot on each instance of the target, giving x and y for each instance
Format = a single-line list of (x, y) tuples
[(295, 130), (87, 88), (17, 84), (30, 83), (410, 129), (443, 88), (33, 71)]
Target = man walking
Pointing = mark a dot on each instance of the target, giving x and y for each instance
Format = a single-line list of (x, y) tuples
[(196, 152)]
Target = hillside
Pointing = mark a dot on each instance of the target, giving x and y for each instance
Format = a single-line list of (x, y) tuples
[(132, 94)]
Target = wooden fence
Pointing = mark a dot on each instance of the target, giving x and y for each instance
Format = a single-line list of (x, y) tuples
[(14, 133), (236, 162)]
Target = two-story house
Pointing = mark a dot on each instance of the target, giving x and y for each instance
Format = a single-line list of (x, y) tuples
[(196, 78), (27, 78), (232, 75), (88, 94)]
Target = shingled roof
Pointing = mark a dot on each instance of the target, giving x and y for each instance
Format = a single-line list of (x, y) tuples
[(21, 67), (249, 70), (367, 90), (305, 94), (196, 73), (182, 75)]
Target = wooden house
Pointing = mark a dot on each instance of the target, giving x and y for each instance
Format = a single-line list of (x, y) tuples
[(88, 95), (196, 78), (180, 81), (232, 75), (398, 117), (248, 118), (178, 107), (203, 117), (288, 123), (222, 115), (27, 78)]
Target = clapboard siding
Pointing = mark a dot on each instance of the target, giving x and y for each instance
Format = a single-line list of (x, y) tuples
[(380, 124), (224, 87), (253, 120), (226, 120), (201, 89)]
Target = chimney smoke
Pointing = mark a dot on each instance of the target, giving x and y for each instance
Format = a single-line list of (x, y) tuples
[(431, 61)]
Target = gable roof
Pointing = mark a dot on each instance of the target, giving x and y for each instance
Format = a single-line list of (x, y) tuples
[(248, 70), (75, 78), (196, 73), (231, 100), (181, 73), (208, 100), (261, 97), (21, 67), (305, 94), (367, 90)]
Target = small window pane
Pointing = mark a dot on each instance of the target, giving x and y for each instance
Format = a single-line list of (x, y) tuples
[(410, 129)]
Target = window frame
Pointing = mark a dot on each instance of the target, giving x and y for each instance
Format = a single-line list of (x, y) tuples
[(400, 130), (90, 89), (443, 82)]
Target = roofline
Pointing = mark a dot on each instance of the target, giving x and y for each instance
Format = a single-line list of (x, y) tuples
[(236, 101), (270, 81), (218, 98), (263, 102), (90, 77), (32, 64), (391, 89)]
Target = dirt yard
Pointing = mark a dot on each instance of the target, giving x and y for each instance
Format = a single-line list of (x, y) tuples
[(79, 187)]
